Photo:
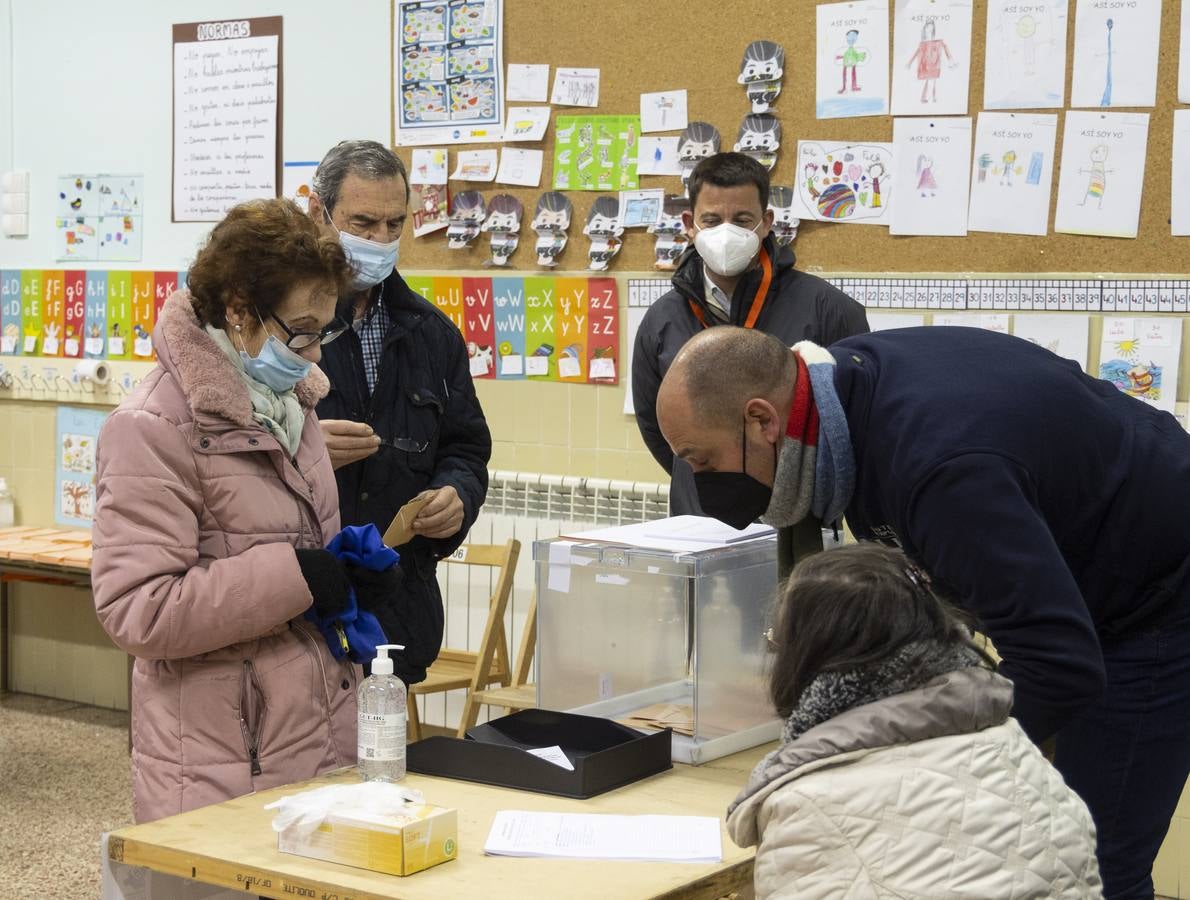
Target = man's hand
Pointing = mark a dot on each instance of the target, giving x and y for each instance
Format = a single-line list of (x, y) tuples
[(348, 441), (442, 516)]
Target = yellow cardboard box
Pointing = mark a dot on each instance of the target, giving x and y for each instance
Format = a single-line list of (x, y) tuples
[(393, 844)]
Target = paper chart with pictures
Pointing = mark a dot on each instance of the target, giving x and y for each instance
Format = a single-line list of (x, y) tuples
[(931, 57), (1025, 54), (448, 69), (1102, 173), (1064, 335), (1011, 172), (596, 153), (74, 495), (845, 183), (99, 217), (1140, 357), (852, 59), (932, 170)]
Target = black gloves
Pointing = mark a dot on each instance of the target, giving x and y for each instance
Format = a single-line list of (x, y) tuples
[(327, 581)]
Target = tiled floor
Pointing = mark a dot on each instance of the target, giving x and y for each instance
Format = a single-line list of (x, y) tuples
[(64, 780)]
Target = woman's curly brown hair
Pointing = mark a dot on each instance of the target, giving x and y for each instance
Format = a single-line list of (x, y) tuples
[(260, 252)]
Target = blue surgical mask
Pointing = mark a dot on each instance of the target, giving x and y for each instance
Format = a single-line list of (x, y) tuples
[(372, 262), (275, 366)]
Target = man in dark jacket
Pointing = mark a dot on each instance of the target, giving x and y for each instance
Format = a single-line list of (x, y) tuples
[(1046, 502), (402, 417), (733, 273)]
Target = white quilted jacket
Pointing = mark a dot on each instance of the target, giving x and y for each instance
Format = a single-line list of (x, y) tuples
[(918, 795)]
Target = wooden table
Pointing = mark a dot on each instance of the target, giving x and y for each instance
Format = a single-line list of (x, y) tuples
[(232, 844)]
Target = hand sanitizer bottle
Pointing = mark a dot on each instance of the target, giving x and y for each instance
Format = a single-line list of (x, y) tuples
[(381, 724)]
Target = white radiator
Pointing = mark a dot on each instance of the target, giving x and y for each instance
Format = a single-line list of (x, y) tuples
[(528, 507)]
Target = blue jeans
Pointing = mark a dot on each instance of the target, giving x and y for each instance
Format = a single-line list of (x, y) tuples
[(1128, 757)]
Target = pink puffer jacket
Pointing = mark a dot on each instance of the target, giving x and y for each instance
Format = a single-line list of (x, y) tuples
[(198, 510)]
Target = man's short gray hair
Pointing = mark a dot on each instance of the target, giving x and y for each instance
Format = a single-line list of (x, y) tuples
[(367, 159)]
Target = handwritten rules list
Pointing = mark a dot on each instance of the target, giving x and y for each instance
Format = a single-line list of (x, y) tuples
[(227, 115)]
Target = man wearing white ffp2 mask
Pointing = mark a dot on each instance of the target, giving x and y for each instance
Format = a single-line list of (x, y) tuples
[(402, 418), (732, 273)]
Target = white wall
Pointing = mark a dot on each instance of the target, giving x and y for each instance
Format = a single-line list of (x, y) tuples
[(92, 92)]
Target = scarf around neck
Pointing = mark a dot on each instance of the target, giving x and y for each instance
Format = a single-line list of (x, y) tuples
[(816, 465), (281, 414)]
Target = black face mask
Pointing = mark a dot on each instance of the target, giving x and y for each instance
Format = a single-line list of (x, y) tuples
[(734, 498)]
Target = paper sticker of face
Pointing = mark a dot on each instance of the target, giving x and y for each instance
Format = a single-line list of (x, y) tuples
[(550, 222), (760, 138), (466, 217), (697, 142), (785, 221), (671, 234), (504, 224), (760, 72), (604, 229)]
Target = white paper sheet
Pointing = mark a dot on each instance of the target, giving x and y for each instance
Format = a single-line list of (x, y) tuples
[(521, 167), (852, 59), (296, 181), (428, 166), (932, 161), (1011, 172), (554, 755), (475, 165), (997, 322), (640, 209), (527, 83), (840, 182), (1184, 56), (1025, 55), (1102, 174), (1115, 53), (576, 87), (1180, 200), (663, 111), (636, 315), (704, 534), (225, 149), (882, 321), (1066, 335), (1140, 357), (527, 123), (592, 836), (657, 156), (931, 57)]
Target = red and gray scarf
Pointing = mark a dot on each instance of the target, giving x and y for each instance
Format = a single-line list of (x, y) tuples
[(816, 465)]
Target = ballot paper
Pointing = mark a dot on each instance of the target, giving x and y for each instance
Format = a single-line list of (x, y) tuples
[(400, 530), (678, 716), (693, 839)]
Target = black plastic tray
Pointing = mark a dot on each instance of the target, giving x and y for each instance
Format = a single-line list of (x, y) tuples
[(605, 754)]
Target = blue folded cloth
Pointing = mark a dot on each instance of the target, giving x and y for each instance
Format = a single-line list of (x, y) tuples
[(355, 633)]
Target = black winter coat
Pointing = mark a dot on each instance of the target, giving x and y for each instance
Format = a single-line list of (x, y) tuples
[(424, 394)]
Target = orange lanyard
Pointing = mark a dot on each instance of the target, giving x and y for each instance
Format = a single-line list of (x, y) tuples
[(762, 294)]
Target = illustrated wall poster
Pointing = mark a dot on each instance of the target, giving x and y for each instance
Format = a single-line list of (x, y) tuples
[(933, 170), (75, 298), (467, 214), (297, 181), (663, 111), (1011, 172), (11, 323), (32, 298), (671, 233), (640, 209), (503, 223), (698, 141), (53, 312), (760, 138), (1102, 174), (119, 315), (143, 303), (931, 57), (99, 217), (95, 324), (429, 198), (551, 220), (760, 73), (1065, 335), (1140, 357), (1025, 55), (604, 227), (839, 182), (1115, 53), (782, 202), (575, 87), (852, 67), (74, 493), (596, 153), (448, 71)]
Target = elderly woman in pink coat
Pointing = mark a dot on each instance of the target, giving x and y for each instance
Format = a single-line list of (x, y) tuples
[(215, 497)]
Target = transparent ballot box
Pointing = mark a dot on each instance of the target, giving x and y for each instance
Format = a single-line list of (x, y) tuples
[(659, 636)]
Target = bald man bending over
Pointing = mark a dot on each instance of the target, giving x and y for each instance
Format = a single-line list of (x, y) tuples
[(1046, 502)]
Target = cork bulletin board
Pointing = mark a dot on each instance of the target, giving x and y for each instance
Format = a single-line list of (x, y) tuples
[(642, 47)]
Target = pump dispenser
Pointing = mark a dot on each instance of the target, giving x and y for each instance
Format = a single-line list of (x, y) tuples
[(381, 723)]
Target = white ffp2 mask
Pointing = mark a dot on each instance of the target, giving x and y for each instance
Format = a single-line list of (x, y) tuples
[(727, 249)]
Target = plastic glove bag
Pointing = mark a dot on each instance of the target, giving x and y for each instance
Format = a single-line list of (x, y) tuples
[(304, 812)]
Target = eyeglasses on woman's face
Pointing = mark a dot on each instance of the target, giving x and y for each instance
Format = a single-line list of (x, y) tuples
[(302, 340)]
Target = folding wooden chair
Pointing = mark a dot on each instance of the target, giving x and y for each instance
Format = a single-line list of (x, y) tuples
[(473, 670), (521, 694)]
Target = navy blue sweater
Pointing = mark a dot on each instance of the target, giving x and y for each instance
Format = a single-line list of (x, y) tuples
[(1049, 504)]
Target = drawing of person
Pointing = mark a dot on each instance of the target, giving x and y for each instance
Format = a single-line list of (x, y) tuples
[(1097, 183), (852, 57), (1026, 30), (811, 172), (1008, 165), (929, 59), (925, 176), (876, 171), (985, 165), (1107, 85)]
